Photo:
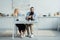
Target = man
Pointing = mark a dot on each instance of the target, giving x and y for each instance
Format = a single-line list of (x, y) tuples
[(30, 16)]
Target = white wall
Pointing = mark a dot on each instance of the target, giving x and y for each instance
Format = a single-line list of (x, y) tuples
[(41, 6), (6, 6), (45, 6), (22, 5)]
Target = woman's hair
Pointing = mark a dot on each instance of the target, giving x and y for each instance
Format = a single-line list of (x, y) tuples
[(15, 10)]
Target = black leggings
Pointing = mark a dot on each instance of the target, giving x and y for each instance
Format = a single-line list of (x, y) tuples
[(21, 27)]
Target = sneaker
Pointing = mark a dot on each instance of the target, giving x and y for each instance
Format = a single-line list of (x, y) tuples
[(27, 35), (31, 36), (23, 35)]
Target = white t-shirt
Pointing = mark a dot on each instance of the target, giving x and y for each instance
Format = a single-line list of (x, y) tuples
[(21, 17)]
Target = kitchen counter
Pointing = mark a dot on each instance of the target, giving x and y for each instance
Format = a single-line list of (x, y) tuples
[(43, 22)]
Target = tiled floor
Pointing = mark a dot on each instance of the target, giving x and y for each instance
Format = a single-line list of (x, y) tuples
[(35, 38), (38, 35)]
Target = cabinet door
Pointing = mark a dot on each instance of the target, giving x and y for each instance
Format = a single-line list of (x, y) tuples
[(5, 6)]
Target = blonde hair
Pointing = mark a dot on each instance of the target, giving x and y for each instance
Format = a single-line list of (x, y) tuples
[(15, 11)]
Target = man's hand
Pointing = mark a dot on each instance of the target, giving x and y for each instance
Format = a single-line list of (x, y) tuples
[(29, 16)]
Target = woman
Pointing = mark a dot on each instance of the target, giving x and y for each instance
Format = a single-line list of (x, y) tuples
[(21, 27)]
